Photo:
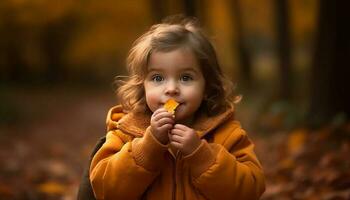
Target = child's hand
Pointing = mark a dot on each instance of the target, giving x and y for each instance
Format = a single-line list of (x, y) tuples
[(161, 123), (184, 139)]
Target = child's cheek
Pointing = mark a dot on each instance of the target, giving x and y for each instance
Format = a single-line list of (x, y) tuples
[(153, 101)]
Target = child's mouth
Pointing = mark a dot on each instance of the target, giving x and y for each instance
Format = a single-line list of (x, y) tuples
[(161, 105), (180, 105)]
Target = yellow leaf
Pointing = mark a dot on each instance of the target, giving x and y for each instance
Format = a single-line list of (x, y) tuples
[(287, 163), (52, 188), (296, 141), (171, 105)]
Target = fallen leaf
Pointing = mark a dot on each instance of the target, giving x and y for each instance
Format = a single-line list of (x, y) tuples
[(52, 188), (296, 141)]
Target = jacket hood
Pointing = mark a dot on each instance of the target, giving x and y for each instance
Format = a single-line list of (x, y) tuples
[(136, 123)]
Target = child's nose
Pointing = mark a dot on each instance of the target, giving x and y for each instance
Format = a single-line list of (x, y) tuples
[(172, 89)]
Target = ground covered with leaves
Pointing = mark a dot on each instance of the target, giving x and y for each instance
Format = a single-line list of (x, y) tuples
[(46, 136)]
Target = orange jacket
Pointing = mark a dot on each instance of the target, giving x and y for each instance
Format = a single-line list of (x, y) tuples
[(132, 164)]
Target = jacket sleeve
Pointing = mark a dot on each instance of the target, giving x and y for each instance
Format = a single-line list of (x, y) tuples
[(228, 171), (123, 168)]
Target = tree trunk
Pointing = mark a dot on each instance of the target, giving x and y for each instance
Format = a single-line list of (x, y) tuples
[(330, 69), (190, 7), (158, 10), (54, 41), (283, 48), (12, 49), (245, 63)]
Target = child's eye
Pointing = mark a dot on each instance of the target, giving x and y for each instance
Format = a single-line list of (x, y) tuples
[(186, 78), (157, 78)]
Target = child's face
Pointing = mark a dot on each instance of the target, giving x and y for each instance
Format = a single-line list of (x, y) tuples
[(175, 74)]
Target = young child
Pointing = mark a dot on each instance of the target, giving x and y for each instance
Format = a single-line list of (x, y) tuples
[(200, 151)]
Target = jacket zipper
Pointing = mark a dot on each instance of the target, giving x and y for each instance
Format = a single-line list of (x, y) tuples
[(174, 175), (174, 181)]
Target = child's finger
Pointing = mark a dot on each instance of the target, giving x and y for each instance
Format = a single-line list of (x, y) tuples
[(165, 120), (175, 138), (181, 127), (165, 127), (156, 112), (159, 111), (177, 132), (161, 115), (175, 144)]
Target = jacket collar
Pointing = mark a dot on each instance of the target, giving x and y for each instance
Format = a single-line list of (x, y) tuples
[(135, 123)]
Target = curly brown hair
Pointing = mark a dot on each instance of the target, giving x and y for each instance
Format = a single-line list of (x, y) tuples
[(173, 33)]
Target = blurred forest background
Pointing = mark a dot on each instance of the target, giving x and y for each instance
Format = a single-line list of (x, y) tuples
[(58, 60)]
